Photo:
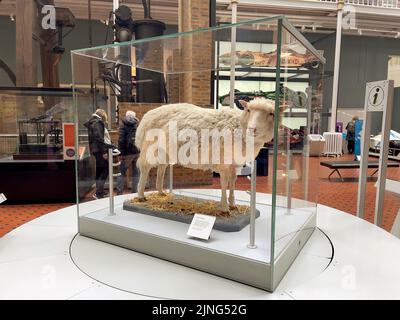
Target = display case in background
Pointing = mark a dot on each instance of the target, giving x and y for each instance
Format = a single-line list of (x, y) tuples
[(185, 68), (37, 145)]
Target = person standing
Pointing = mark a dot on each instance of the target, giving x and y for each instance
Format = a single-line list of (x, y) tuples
[(99, 143), (129, 151), (351, 134)]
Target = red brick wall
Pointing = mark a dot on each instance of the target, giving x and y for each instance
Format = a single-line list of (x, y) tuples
[(197, 53)]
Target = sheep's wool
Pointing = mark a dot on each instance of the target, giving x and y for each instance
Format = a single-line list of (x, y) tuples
[(257, 118), (188, 116)]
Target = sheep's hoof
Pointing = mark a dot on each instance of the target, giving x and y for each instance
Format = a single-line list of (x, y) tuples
[(224, 210), (142, 199)]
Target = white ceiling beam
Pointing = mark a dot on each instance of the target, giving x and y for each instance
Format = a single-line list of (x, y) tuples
[(312, 5)]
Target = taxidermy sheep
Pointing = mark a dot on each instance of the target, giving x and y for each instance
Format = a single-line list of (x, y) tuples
[(173, 124)]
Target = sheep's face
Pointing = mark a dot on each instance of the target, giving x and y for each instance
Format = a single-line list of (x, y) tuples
[(259, 117)]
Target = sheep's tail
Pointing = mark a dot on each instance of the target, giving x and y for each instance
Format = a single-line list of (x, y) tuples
[(140, 134)]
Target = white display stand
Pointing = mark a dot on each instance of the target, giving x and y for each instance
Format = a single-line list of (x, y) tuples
[(90, 269), (225, 253)]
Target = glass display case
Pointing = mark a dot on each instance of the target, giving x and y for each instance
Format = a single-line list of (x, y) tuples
[(36, 130), (257, 237)]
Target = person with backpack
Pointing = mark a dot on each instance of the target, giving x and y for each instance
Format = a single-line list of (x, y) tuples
[(129, 151), (99, 143), (351, 134)]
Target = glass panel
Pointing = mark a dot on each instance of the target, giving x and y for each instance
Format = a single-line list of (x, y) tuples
[(298, 142), (391, 209), (195, 68)]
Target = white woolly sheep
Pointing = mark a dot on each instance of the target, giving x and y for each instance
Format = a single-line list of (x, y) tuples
[(257, 120)]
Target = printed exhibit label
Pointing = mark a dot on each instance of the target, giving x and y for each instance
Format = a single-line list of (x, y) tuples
[(201, 226)]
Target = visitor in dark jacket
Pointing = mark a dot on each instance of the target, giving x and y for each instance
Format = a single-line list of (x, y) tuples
[(129, 152), (351, 134), (99, 143)]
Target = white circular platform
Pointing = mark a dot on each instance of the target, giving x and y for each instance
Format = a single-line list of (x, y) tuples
[(148, 276), (35, 263)]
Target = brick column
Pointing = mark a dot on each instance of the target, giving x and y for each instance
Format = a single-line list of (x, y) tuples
[(196, 52)]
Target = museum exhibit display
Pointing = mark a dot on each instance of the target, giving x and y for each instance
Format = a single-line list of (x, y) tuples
[(394, 145), (250, 237), (37, 144)]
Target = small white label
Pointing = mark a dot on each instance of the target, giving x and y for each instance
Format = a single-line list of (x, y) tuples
[(376, 97), (201, 226), (2, 197)]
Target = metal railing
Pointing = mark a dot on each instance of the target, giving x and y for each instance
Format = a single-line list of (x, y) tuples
[(391, 4), (8, 144)]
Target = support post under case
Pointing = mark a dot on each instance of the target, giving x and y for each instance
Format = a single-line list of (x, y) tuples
[(111, 181), (252, 244)]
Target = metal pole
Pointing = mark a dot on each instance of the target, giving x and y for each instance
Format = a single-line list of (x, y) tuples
[(288, 181), (115, 7), (252, 244), (288, 170), (234, 4), (171, 178), (306, 154), (110, 155), (386, 125), (337, 66), (111, 182), (108, 92), (90, 31), (362, 182)]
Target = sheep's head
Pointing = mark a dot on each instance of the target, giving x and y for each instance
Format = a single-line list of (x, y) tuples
[(258, 117)]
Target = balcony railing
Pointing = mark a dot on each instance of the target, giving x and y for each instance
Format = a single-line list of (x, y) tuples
[(392, 4)]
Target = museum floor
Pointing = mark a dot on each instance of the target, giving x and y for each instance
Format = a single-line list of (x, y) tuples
[(334, 193)]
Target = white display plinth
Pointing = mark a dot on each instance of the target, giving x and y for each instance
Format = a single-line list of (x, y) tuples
[(225, 254)]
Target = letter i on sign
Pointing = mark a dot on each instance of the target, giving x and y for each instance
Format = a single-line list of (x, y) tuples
[(376, 96)]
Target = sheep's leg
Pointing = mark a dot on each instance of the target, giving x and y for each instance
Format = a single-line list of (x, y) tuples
[(144, 172), (160, 179), (232, 183), (224, 179)]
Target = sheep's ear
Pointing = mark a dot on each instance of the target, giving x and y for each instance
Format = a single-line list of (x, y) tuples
[(244, 104)]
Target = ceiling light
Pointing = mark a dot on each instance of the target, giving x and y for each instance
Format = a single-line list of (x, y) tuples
[(12, 17), (397, 35), (360, 32), (314, 28), (303, 28)]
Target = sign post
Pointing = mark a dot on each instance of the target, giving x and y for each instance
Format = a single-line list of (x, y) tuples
[(383, 157), (378, 98)]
